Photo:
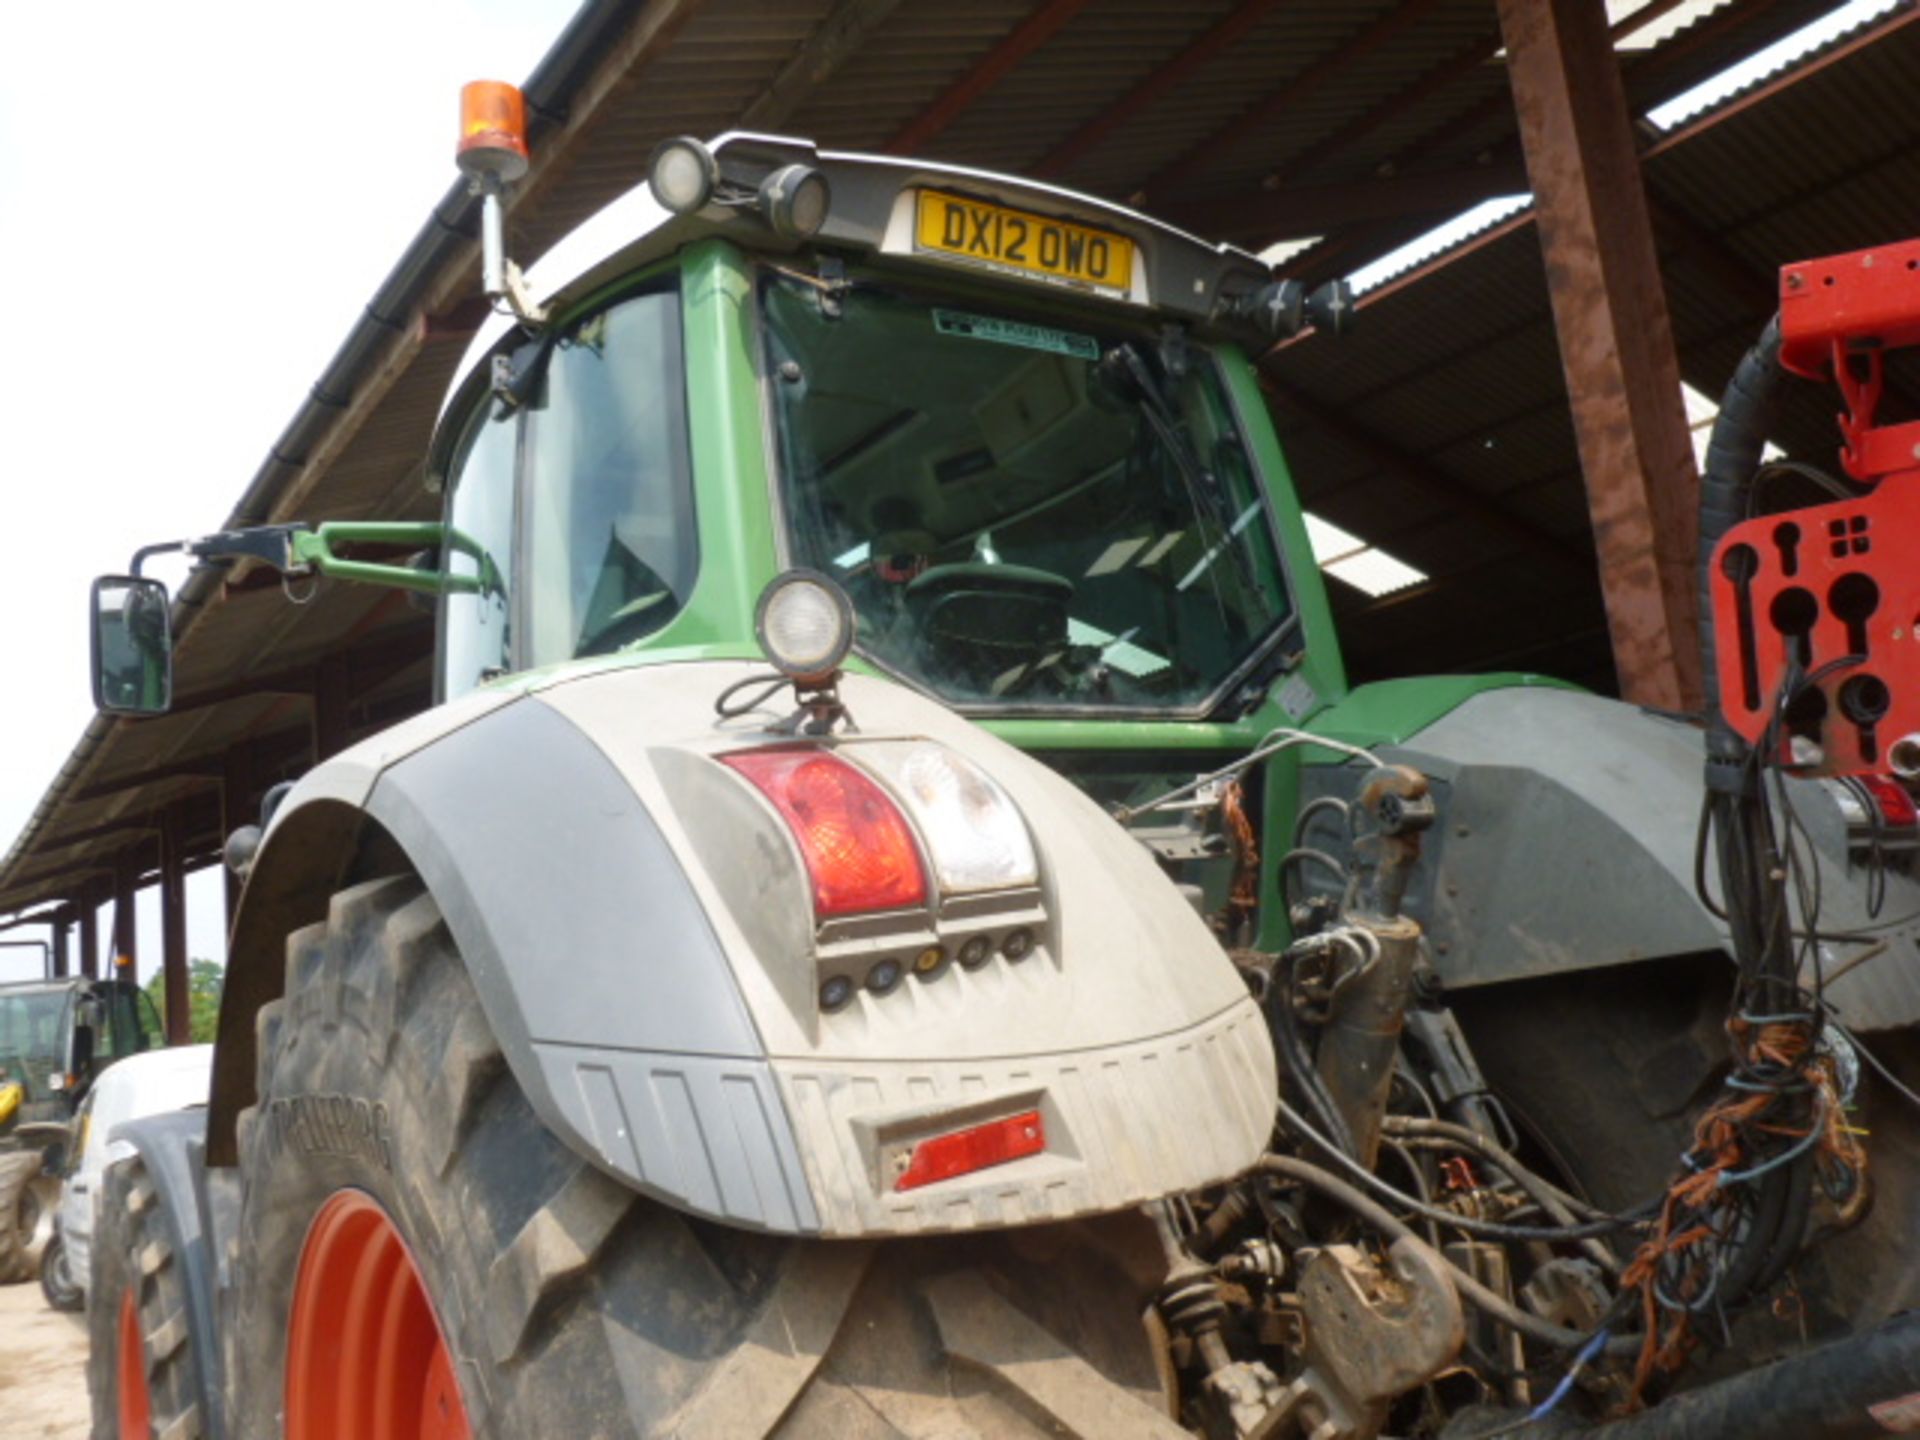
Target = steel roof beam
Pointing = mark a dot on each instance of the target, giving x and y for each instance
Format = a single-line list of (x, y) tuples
[(833, 42), (1295, 91), (1423, 476), (1320, 209), (986, 72), (1223, 33), (1616, 340)]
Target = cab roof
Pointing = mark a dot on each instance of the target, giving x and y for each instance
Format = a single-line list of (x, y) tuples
[(871, 212)]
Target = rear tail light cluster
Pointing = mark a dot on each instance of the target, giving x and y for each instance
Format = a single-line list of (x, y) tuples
[(938, 823), (859, 845), (858, 848)]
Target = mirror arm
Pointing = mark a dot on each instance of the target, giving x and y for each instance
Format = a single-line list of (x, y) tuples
[(314, 548), (300, 549)]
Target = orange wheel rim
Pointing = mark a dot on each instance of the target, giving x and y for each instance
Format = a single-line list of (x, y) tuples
[(136, 1407), (365, 1355)]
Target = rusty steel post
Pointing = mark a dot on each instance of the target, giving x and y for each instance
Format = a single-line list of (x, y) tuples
[(236, 809), (90, 933), (173, 928), (1616, 340), (332, 695), (126, 939), (60, 961)]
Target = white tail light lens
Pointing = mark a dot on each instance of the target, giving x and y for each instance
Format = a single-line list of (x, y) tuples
[(972, 829)]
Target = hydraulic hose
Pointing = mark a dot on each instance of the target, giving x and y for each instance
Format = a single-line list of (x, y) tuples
[(1822, 1394), (1733, 455), (1471, 1290), (1758, 919)]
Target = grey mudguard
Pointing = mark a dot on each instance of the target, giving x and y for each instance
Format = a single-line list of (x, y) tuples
[(1566, 841), (596, 964)]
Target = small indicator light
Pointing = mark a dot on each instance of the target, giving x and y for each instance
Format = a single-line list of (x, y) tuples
[(835, 993), (929, 960), (1018, 944), (976, 952), (884, 976)]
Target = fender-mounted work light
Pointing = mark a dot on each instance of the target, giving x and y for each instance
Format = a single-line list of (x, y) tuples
[(682, 174), (493, 130), (793, 200), (805, 625)]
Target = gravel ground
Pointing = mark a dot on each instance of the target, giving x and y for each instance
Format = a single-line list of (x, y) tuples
[(43, 1369)]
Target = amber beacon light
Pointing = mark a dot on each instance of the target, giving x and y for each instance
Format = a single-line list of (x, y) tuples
[(492, 155), (493, 130)]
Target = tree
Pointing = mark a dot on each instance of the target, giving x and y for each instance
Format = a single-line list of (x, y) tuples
[(204, 979)]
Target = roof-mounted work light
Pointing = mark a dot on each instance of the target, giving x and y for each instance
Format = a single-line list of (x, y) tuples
[(793, 200), (492, 154), (682, 174)]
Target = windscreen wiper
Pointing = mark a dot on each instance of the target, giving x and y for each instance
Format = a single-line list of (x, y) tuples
[(1125, 365)]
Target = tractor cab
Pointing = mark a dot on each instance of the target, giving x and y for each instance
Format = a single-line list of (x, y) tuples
[(56, 1036), (1014, 425)]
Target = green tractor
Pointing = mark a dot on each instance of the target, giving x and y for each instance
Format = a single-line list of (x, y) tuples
[(894, 840), (56, 1037)]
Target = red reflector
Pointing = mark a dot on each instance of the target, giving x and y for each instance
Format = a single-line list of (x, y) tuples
[(859, 851), (1891, 799), (978, 1147)]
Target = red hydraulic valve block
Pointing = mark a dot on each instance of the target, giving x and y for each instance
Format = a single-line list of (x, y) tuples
[(1830, 594)]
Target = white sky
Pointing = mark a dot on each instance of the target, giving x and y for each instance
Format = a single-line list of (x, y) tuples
[(196, 200)]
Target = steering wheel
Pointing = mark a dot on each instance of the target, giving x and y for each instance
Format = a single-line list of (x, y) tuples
[(985, 620)]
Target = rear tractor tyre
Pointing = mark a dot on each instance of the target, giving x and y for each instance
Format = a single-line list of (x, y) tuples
[(140, 1366), (57, 1283), (26, 1221), (396, 1183)]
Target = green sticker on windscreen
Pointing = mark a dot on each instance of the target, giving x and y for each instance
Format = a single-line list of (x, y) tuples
[(1012, 332)]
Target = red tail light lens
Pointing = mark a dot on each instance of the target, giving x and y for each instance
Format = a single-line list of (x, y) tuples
[(978, 1147), (858, 848)]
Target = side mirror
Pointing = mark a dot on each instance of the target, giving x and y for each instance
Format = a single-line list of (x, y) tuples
[(132, 646)]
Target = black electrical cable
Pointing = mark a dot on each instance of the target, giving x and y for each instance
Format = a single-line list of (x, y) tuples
[(1500, 1156), (1558, 1204), (769, 682), (1285, 1026), (1529, 1184), (1307, 852), (1776, 469), (1485, 1229), (1314, 807), (1494, 1306)]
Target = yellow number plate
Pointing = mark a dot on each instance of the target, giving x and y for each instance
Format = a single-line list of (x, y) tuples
[(1005, 239)]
